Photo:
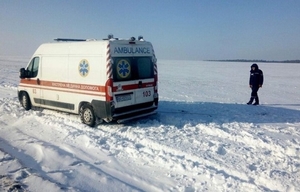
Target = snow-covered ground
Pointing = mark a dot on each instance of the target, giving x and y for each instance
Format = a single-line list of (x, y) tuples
[(204, 137)]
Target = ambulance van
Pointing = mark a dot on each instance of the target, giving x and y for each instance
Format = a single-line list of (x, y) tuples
[(101, 80)]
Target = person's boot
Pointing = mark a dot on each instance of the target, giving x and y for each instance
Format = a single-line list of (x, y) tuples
[(256, 101), (251, 101)]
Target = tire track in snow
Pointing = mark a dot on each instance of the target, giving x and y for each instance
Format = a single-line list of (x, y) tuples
[(65, 130), (27, 169), (37, 155)]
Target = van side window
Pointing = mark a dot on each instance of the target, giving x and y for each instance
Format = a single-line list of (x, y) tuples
[(33, 67)]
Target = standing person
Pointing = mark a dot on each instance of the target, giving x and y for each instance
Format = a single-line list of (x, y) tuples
[(255, 82)]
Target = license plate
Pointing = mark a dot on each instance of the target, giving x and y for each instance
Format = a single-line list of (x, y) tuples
[(122, 98)]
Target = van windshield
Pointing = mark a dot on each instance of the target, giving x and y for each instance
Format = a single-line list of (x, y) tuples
[(132, 68)]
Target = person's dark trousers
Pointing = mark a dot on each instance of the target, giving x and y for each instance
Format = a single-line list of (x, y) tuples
[(254, 96)]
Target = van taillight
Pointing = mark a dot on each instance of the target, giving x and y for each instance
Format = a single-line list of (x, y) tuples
[(108, 90)]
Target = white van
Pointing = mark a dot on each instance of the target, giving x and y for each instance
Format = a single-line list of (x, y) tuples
[(111, 79)]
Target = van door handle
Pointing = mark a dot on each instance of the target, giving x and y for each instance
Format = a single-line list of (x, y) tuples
[(140, 84), (38, 81)]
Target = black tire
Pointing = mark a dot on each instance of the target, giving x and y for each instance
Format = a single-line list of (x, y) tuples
[(25, 101), (87, 115)]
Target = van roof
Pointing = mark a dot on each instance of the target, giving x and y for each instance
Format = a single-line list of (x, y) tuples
[(110, 38), (63, 46)]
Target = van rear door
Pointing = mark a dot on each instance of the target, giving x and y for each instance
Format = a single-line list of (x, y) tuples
[(133, 80)]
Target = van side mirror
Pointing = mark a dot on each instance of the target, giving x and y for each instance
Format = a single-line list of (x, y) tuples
[(22, 73)]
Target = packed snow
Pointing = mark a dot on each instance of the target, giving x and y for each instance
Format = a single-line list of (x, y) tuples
[(203, 138)]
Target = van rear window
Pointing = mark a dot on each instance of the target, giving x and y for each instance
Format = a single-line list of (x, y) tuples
[(132, 68)]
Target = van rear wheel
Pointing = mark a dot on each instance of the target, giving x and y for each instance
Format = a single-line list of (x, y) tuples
[(25, 101), (87, 115)]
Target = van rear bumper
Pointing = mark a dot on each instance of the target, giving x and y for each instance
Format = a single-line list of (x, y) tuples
[(106, 110), (135, 117), (133, 114)]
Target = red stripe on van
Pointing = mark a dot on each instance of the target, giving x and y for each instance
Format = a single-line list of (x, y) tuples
[(65, 91), (65, 85), (133, 86)]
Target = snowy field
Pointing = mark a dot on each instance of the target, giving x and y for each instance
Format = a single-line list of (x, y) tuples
[(204, 137)]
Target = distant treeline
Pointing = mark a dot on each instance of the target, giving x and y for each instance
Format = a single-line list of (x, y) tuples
[(256, 61)]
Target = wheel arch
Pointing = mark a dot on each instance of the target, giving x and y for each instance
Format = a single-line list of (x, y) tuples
[(81, 104), (87, 110)]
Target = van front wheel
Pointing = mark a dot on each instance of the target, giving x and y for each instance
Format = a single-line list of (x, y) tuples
[(25, 101), (87, 115)]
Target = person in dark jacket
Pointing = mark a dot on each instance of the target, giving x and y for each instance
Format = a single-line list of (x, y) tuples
[(255, 82)]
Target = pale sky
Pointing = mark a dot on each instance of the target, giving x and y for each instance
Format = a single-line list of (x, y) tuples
[(178, 29)]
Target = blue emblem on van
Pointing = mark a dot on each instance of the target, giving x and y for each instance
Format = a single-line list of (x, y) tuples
[(123, 68), (84, 68)]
